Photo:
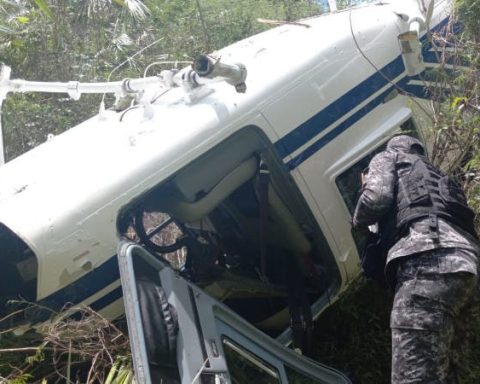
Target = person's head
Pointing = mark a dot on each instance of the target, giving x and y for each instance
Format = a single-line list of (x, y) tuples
[(406, 144)]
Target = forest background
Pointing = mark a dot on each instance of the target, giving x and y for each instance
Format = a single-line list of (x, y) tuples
[(87, 40)]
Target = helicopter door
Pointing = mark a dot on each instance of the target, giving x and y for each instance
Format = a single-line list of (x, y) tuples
[(213, 344)]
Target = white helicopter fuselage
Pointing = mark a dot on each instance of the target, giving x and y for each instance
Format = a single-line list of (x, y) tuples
[(324, 92)]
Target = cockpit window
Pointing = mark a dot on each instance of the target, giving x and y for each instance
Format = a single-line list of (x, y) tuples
[(211, 223), (245, 367), (18, 275), (296, 377), (160, 233), (349, 182)]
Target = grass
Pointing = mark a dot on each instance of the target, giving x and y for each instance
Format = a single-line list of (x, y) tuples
[(66, 350), (353, 335)]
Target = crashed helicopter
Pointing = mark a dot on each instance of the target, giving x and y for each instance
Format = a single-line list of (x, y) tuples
[(241, 171)]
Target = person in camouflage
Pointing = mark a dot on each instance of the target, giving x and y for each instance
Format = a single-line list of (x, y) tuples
[(432, 258)]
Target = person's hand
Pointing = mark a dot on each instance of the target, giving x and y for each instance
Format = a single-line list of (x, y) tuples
[(361, 230)]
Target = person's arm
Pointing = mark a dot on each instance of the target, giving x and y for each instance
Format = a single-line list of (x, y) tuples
[(378, 191)]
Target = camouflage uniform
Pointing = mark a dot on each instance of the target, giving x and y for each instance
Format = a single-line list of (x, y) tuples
[(436, 291)]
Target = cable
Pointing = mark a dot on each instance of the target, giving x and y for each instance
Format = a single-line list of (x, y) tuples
[(127, 60), (395, 85), (176, 62)]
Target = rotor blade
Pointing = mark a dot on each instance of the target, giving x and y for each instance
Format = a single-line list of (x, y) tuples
[(428, 16)]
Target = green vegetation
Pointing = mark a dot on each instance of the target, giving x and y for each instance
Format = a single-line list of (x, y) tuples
[(86, 40), (353, 335)]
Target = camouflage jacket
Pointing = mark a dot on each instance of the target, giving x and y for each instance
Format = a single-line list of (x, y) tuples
[(378, 199)]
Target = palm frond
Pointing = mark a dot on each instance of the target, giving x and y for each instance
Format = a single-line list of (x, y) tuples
[(122, 41), (43, 6), (136, 8), (96, 6)]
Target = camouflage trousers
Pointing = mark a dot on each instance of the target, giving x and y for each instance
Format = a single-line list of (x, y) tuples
[(431, 322)]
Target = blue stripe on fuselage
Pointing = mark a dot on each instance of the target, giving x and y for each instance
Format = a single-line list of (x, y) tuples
[(108, 299), (432, 54), (342, 127), (84, 287), (336, 110), (101, 303), (340, 107)]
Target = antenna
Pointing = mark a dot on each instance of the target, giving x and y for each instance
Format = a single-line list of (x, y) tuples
[(4, 78), (73, 88), (102, 103), (429, 14)]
